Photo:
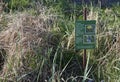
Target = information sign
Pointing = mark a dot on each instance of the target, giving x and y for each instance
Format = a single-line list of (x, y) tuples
[(85, 34)]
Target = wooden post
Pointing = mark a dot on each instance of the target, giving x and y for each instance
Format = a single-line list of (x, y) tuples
[(84, 55)]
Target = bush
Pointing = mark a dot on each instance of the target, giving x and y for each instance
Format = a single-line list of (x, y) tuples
[(16, 4)]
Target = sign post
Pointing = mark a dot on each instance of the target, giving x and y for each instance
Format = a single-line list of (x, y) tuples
[(84, 56), (85, 35)]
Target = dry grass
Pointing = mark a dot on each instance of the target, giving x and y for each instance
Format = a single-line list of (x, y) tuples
[(24, 35)]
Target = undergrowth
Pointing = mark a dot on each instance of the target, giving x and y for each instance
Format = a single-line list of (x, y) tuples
[(37, 45)]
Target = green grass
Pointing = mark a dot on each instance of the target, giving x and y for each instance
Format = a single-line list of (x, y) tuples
[(61, 63)]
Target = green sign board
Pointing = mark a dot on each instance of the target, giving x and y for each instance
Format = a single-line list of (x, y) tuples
[(85, 34)]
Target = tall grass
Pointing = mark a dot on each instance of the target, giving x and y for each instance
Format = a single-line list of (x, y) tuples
[(54, 59)]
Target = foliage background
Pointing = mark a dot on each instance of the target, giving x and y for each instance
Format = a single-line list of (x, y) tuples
[(59, 62)]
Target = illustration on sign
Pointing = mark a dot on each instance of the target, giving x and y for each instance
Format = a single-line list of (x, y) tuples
[(85, 34), (89, 39), (90, 28)]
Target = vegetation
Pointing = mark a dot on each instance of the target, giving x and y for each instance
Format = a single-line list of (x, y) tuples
[(37, 42)]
